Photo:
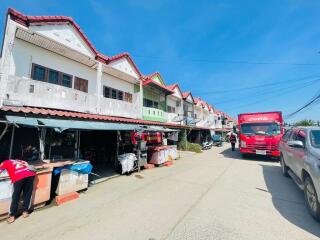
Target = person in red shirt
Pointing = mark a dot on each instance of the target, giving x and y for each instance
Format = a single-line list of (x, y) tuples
[(233, 140), (22, 177)]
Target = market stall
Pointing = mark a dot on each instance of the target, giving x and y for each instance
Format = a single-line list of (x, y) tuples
[(161, 154), (41, 189), (157, 139)]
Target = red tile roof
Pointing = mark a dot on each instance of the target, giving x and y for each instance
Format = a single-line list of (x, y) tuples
[(201, 102), (127, 56), (186, 94), (150, 81), (151, 75), (197, 100), (174, 86), (78, 115), (27, 20)]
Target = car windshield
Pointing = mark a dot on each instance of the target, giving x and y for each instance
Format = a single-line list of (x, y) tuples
[(268, 129), (315, 138)]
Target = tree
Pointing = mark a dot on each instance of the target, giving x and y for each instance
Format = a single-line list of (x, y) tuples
[(305, 122)]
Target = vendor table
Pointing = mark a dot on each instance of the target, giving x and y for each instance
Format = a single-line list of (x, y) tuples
[(72, 181), (162, 154), (41, 189)]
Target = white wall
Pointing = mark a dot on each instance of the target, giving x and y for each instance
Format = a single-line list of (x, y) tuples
[(177, 93), (24, 54), (197, 110), (123, 65), (114, 82), (66, 35)]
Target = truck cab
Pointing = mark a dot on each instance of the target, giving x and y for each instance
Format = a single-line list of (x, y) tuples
[(260, 133)]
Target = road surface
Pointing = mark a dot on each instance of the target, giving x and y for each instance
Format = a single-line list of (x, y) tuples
[(213, 195)]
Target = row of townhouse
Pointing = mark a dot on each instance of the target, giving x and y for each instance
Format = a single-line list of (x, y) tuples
[(48, 63)]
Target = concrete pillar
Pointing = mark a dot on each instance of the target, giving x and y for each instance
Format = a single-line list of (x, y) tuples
[(99, 80), (99, 91), (8, 40), (141, 99)]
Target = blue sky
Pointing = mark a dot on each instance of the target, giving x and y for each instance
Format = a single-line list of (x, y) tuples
[(220, 50)]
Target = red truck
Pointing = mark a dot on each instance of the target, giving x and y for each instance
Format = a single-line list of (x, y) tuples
[(260, 133)]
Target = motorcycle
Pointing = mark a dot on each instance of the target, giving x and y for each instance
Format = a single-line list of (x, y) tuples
[(207, 145)]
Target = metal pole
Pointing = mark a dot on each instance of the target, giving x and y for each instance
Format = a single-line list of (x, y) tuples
[(186, 139), (116, 162), (78, 145), (42, 138), (11, 142)]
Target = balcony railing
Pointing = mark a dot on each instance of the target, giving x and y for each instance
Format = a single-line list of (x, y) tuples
[(28, 92), (153, 114), (175, 118)]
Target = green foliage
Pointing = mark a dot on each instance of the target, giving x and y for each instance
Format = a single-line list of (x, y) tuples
[(184, 145), (305, 122), (194, 147)]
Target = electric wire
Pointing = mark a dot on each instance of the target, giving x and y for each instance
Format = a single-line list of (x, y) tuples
[(267, 92), (217, 61), (283, 92), (312, 102), (270, 84)]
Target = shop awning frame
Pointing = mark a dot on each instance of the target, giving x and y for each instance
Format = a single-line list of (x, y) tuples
[(61, 125)]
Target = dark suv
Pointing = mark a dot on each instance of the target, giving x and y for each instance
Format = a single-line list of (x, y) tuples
[(300, 159)]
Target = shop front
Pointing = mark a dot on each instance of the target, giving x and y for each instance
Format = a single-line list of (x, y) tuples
[(66, 147)]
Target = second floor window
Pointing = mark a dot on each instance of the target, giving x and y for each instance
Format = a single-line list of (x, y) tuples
[(66, 80), (171, 109), (45, 74), (149, 103), (38, 73), (117, 94), (53, 77), (81, 84)]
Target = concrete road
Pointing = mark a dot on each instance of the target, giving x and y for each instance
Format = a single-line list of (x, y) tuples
[(213, 195)]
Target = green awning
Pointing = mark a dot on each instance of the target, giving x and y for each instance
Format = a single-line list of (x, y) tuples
[(26, 121), (61, 124)]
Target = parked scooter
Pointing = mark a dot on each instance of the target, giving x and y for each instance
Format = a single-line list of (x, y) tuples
[(207, 145)]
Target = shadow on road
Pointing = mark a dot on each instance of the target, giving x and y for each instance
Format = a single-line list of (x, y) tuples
[(237, 155), (230, 154), (288, 199)]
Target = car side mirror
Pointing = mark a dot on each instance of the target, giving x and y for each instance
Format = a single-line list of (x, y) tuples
[(296, 144)]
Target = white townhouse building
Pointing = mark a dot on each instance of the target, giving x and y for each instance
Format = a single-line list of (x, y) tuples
[(48, 62), (212, 117), (198, 113), (188, 108), (218, 119), (204, 114), (175, 105)]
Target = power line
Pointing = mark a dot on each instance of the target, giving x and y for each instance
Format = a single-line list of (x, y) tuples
[(282, 93), (262, 85), (312, 102), (266, 92), (216, 61)]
